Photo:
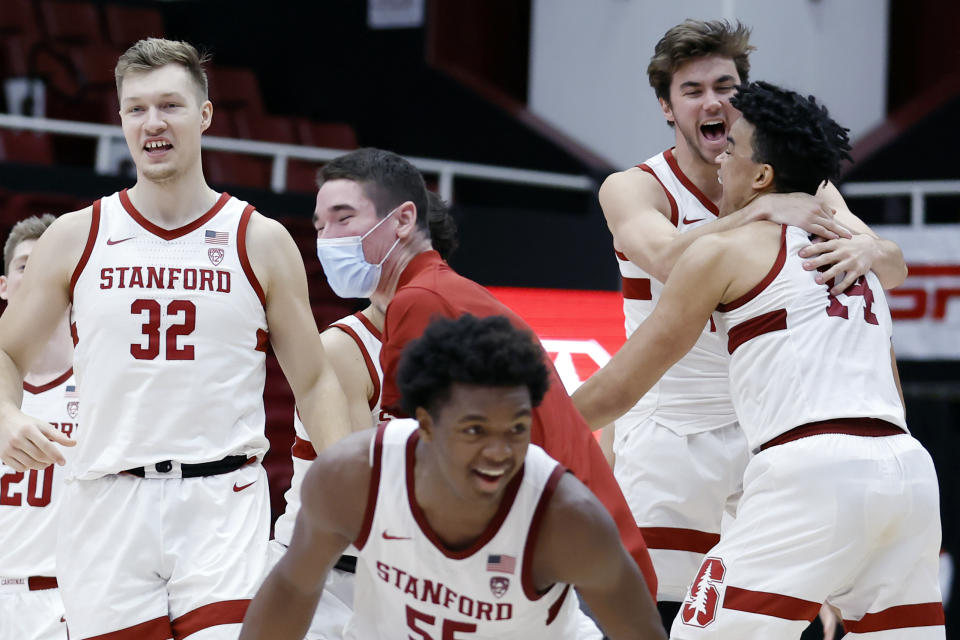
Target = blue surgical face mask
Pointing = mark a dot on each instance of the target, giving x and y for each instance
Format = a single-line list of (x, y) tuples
[(347, 270)]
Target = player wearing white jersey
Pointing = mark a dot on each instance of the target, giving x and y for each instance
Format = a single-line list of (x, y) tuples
[(840, 503), (472, 384), (30, 604), (176, 292), (679, 454)]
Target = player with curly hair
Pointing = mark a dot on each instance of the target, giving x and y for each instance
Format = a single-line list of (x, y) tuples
[(840, 503), (467, 529)]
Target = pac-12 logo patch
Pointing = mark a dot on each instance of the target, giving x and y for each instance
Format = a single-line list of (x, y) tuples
[(73, 408), (215, 255), (700, 607), (499, 586)]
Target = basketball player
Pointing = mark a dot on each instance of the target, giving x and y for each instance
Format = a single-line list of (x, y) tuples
[(467, 530), (840, 504), (176, 291), (352, 344), (679, 453), (30, 605), (375, 244)]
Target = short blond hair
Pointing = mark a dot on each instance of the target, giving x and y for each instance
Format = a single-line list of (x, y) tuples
[(152, 53), (27, 229)]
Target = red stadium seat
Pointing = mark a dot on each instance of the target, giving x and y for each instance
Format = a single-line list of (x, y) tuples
[(222, 125), (18, 18), (26, 147), (224, 168), (332, 135), (234, 89), (126, 25), (302, 176), (269, 128), (71, 22), (22, 205)]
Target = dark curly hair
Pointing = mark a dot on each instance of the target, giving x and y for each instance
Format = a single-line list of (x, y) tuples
[(443, 228), (469, 350), (793, 134)]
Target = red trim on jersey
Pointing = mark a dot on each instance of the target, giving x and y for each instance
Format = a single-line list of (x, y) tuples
[(303, 449), (373, 490), (927, 614), (674, 210), (867, 427), (554, 609), (73, 334), (242, 252), (263, 339), (688, 183), (770, 604), (757, 326), (933, 269), (677, 539), (621, 255), (156, 629), (171, 234), (210, 615), (41, 583), (767, 279), (88, 248), (506, 502), (56, 382), (526, 571), (637, 289), (372, 328), (371, 367)]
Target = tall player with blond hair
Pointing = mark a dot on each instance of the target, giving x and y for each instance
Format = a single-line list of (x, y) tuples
[(176, 292)]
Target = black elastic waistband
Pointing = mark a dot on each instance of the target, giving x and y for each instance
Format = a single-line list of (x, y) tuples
[(215, 468)]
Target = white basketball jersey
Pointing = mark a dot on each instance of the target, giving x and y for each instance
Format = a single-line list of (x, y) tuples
[(800, 355), (171, 336), (409, 583), (29, 500), (369, 340), (694, 394)]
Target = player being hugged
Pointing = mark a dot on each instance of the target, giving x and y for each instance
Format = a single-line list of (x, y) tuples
[(463, 527)]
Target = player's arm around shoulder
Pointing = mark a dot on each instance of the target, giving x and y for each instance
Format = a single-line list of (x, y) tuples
[(698, 281), (638, 215), (334, 497), (855, 256), (25, 326), (277, 264), (349, 363), (579, 545)]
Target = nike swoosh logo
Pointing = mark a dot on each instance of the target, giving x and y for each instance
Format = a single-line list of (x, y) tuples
[(119, 241), (685, 221), (387, 536), (236, 488)]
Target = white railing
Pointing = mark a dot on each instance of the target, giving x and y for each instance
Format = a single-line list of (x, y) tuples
[(110, 150), (918, 190)]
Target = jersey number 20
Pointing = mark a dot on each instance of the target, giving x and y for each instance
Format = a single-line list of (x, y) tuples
[(11, 498), (151, 329)]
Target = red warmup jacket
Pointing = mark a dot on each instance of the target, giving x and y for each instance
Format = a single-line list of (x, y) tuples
[(429, 287)]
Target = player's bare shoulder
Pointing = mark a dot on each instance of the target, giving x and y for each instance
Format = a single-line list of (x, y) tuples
[(63, 243), (272, 252), (632, 190), (337, 484)]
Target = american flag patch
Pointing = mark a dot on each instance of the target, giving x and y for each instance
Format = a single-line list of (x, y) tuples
[(501, 563), (215, 237), (71, 391)]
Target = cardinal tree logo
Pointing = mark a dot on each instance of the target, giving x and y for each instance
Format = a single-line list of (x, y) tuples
[(700, 607)]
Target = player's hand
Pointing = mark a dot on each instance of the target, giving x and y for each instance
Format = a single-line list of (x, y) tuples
[(28, 443), (829, 619), (847, 259), (801, 210)]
